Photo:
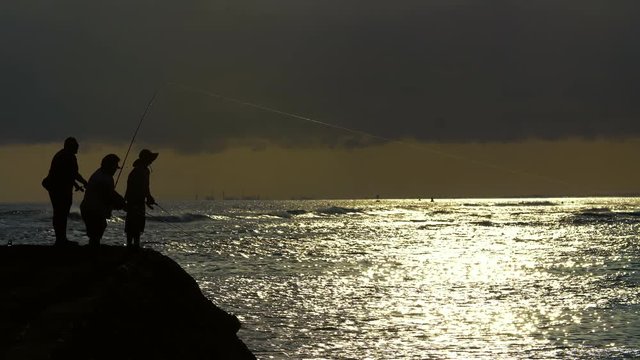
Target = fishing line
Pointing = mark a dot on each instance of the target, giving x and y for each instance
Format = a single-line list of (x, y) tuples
[(163, 209), (168, 223), (175, 226), (424, 147), (276, 111), (364, 133)]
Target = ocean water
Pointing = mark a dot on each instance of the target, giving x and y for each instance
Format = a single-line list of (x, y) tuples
[(403, 279)]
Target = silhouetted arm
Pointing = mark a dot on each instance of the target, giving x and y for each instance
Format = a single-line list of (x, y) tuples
[(76, 175), (80, 179), (117, 201), (147, 190)]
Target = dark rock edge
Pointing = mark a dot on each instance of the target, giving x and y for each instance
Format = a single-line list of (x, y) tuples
[(107, 303)]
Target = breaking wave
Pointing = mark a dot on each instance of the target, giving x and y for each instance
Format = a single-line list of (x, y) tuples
[(527, 203), (483, 223), (75, 216), (183, 218), (604, 215), (337, 210), (21, 213), (333, 210)]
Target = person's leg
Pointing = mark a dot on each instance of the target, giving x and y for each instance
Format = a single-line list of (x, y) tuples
[(66, 209), (57, 211), (96, 224), (128, 229), (134, 225), (101, 227), (92, 231), (143, 220), (61, 203)]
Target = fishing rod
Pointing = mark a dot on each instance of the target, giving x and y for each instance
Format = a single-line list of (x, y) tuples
[(135, 133)]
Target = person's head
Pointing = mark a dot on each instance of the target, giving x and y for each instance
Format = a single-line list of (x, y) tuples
[(71, 145), (110, 164), (147, 157)]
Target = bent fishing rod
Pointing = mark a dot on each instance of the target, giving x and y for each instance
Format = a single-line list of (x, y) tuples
[(135, 133)]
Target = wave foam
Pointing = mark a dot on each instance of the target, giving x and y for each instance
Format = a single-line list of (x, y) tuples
[(604, 215), (182, 218), (337, 210)]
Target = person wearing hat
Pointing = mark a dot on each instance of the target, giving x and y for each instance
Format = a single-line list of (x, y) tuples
[(137, 196), (100, 199), (62, 178)]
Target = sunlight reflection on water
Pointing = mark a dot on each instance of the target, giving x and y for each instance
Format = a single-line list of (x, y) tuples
[(481, 281), (550, 278)]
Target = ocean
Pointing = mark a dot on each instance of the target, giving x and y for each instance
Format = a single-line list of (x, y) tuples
[(402, 279)]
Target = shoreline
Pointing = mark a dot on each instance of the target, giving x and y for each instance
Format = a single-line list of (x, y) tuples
[(109, 302)]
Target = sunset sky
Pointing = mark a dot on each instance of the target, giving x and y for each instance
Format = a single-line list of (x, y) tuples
[(462, 98)]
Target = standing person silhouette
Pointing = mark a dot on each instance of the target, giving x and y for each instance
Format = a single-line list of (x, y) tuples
[(137, 196), (60, 182), (100, 199)]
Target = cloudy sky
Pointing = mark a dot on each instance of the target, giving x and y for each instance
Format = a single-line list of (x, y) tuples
[(443, 73)]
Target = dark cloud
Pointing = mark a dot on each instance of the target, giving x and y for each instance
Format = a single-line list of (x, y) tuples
[(444, 70)]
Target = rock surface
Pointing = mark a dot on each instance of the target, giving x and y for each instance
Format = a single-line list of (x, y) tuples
[(107, 303)]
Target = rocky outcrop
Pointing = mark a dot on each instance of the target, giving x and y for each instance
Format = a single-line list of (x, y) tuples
[(107, 303)]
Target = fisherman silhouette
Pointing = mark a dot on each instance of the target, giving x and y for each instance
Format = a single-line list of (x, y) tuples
[(100, 199), (60, 182), (137, 196)]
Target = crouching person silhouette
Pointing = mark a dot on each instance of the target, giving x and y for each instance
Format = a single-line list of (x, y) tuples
[(100, 199)]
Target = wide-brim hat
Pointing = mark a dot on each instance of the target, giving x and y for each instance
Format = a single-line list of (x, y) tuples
[(147, 156)]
